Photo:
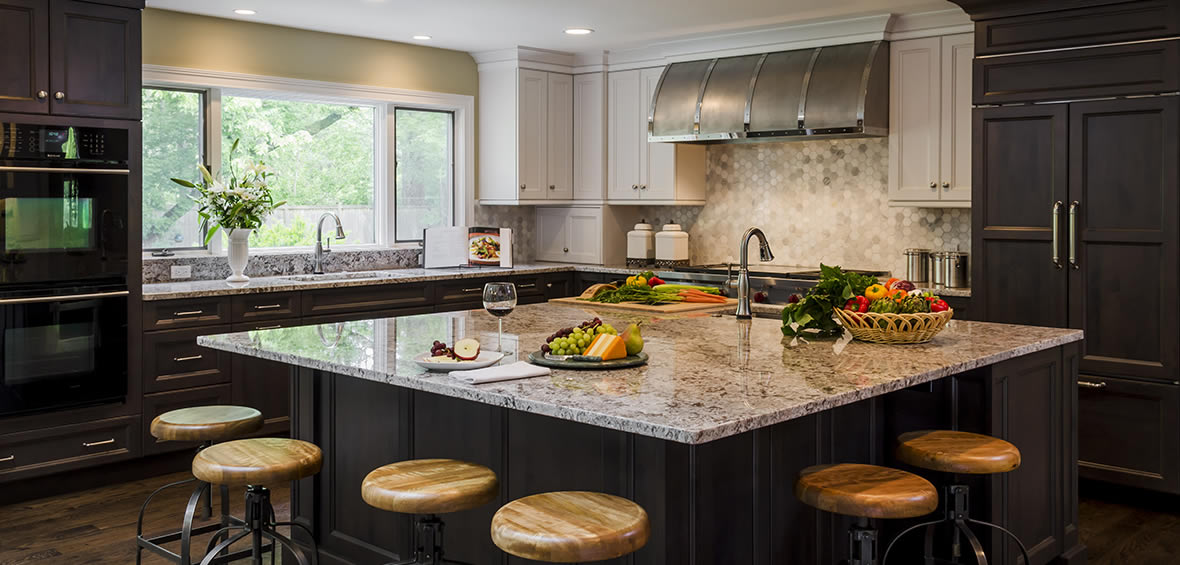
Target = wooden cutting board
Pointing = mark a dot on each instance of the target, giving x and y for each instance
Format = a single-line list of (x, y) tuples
[(673, 308)]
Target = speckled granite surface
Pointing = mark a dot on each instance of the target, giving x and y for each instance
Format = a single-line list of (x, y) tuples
[(709, 376), (196, 289)]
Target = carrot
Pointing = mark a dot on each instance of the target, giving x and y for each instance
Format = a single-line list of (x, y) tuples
[(691, 295)]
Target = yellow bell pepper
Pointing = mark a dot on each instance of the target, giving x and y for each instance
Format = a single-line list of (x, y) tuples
[(873, 292)]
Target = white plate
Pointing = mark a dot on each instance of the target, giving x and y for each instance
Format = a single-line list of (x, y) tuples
[(485, 359)]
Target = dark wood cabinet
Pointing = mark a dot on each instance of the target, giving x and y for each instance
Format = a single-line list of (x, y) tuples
[(262, 384), (72, 58), (1127, 432), (24, 56), (1019, 193), (64, 448), (1115, 23), (1121, 235), (172, 360), (95, 63)]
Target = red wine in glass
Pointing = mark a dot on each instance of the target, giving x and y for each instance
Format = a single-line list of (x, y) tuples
[(499, 311), (499, 299)]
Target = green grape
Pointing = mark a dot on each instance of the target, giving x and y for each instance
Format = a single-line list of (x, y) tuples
[(561, 352), (581, 342)]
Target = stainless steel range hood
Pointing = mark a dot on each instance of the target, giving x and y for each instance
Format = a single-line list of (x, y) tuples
[(826, 92)]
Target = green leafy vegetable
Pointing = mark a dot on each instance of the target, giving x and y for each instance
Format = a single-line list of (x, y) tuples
[(814, 310), (635, 293)]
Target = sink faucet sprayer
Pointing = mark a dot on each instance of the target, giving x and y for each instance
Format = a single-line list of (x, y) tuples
[(743, 309), (319, 238)]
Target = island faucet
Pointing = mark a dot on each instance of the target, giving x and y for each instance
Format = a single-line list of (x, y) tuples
[(743, 309), (319, 239)]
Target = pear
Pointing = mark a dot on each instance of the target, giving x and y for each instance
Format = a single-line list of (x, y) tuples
[(632, 339)]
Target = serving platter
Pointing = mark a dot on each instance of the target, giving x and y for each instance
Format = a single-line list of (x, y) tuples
[(539, 358), (485, 359)]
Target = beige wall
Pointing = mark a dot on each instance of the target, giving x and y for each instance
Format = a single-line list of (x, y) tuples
[(177, 39)]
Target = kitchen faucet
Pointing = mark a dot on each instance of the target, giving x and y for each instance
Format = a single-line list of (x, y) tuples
[(743, 309), (319, 238)]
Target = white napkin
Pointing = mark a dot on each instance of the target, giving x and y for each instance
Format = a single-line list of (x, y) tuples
[(495, 373)]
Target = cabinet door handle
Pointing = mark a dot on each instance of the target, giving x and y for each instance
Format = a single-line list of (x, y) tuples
[(565, 250), (42, 94), (274, 327), (946, 185), (98, 443), (472, 289), (643, 187), (552, 187), (187, 313), (523, 186), (1087, 384), (529, 285), (1073, 233), (933, 185), (189, 358), (548, 285), (1054, 226), (634, 187), (59, 95), (7, 459), (267, 306)]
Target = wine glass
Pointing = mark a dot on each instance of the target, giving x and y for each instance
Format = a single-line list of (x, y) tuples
[(499, 298)]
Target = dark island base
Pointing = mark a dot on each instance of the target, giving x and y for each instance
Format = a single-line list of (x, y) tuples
[(729, 501)]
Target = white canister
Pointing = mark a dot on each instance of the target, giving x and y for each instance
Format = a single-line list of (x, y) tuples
[(671, 247), (641, 246)]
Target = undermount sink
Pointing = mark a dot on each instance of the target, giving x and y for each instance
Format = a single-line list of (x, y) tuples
[(339, 276)]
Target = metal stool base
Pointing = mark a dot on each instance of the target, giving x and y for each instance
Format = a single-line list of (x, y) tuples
[(260, 525), (958, 517), (428, 536)]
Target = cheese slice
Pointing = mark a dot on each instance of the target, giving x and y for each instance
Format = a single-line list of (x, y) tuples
[(607, 346)]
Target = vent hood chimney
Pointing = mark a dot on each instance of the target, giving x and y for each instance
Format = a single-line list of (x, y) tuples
[(840, 91)]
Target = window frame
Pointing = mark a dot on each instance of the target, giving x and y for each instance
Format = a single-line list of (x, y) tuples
[(384, 100), (204, 118), (393, 169)]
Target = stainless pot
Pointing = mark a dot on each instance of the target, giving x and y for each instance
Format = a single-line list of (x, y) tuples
[(938, 269), (917, 265), (957, 270)]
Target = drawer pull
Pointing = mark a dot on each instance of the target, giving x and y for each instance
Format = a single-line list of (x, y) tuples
[(189, 358), (529, 285), (188, 313), (1087, 384), (7, 459), (274, 327), (98, 443), (267, 306), (472, 289)]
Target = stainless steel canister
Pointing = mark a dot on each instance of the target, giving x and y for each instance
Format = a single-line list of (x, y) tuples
[(957, 271), (917, 265), (938, 269)]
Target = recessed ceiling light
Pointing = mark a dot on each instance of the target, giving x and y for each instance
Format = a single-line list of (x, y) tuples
[(244, 12), (422, 37), (578, 31)]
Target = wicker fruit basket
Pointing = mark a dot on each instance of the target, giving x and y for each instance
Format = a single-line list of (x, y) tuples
[(894, 328)]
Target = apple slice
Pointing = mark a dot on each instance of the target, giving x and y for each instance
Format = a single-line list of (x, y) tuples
[(467, 349)]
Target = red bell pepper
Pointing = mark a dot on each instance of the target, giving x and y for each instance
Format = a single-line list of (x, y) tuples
[(857, 304), (939, 305), (655, 281)]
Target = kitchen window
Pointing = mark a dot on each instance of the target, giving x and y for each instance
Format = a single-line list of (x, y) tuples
[(389, 165)]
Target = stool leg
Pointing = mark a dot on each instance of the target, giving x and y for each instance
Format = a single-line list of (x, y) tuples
[(980, 556), (1005, 531), (928, 525), (862, 544), (186, 531), (211, 555), (139, 539)]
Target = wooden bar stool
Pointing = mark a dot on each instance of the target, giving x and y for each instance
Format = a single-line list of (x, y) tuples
[(956, 453), (570, 527), (204, 424), (865, 491), (254, 463), (428, 487)]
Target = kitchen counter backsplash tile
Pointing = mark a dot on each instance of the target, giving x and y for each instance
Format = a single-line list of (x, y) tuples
[(263, 264), (817, 201)]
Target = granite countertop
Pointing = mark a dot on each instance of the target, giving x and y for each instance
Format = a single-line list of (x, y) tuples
[(196, 289), (709, 376)]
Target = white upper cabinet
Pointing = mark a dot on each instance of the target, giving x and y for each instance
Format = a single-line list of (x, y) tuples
[(639, 172), (570, 234), (525, 136), (930, 121), (589, 137)]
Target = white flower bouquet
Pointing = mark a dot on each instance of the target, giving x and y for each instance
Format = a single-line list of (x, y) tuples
[(242, 203)]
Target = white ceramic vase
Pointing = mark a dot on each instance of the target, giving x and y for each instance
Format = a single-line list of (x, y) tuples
[(239, 254)]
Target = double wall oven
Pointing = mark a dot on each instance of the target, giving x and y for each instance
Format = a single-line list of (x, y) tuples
[(63, 266)]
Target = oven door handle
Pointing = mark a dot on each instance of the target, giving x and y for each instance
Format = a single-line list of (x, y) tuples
[(64, 170), (63, 298)]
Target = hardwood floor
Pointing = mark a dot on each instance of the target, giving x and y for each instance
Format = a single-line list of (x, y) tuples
[(96, 527)]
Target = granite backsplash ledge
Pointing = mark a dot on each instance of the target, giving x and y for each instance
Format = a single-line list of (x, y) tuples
[(272, 263)]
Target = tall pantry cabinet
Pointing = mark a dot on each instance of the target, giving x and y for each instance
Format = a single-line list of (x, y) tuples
[(1076, 198)]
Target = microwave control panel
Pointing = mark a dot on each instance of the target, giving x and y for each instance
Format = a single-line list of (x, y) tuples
[(65, 143)]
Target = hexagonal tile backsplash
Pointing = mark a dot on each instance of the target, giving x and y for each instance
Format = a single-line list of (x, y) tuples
[(817, 201)]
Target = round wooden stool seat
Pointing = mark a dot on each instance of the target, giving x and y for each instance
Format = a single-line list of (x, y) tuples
[(257, 461), (957, 452), (430, 486), (206, 423), (866, 491), (570, 527)]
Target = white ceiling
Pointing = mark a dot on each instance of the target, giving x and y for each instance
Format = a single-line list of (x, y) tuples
[(482, 25)]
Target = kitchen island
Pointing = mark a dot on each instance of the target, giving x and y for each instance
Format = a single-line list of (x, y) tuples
[(708, 436)]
